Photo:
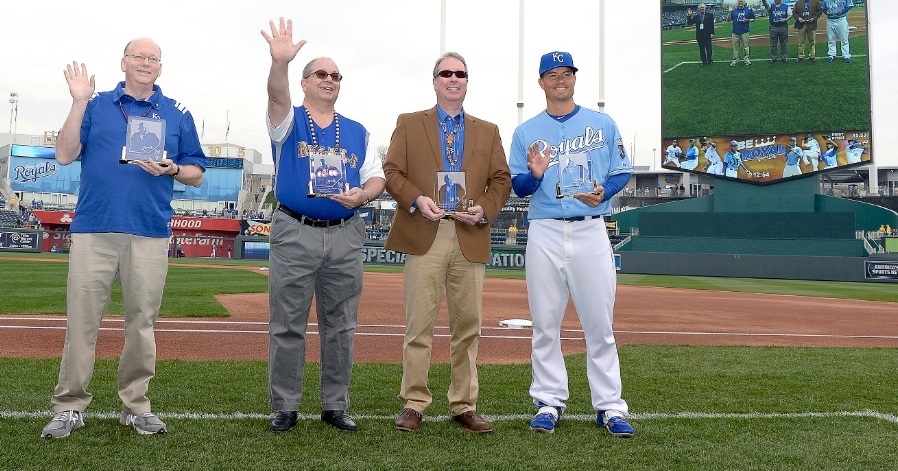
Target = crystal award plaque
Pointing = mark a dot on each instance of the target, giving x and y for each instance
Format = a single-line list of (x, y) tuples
[(145, 140), (574, 175), (327, 175), (450, 192)]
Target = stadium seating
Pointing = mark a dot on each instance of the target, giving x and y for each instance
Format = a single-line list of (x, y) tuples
[(9, 218)]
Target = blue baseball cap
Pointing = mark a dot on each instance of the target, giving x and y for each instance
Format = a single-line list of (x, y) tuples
[(555, 59)]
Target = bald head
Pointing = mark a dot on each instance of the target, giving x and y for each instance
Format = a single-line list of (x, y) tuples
[(143, 42)]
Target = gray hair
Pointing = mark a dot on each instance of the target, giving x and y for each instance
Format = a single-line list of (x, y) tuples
[(307, 70), (446, 55)]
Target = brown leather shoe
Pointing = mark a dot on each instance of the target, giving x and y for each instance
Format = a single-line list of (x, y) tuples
[(472, 421), (408, 420)]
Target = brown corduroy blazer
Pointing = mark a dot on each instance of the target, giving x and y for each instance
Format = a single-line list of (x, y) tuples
[(414, 157)]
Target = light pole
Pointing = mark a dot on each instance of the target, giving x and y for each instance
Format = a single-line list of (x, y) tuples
[(13, 109)]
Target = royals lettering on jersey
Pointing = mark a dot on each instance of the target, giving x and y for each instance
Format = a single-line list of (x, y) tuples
[(303, 149), (590, 140), (586, 136)]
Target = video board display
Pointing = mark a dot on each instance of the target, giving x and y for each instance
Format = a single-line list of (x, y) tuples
[(735, 107)]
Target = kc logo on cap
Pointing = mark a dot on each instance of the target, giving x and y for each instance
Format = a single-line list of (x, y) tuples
[(555, 59)]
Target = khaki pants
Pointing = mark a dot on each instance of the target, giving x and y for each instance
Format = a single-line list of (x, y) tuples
[(443, 266), (807, 36), (740, 42), (95, 260)]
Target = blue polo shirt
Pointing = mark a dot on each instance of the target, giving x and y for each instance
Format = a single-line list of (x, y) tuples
[(740, 17), (124, 198)]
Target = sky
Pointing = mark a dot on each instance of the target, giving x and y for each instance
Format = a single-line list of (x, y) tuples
[(216, 62)]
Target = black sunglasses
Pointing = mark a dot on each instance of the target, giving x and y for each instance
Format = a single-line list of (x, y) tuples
[(322, 75), (449, 73)]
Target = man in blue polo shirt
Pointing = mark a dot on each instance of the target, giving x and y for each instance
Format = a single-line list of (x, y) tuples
[(741, 16), (316, 242), (121, 230)]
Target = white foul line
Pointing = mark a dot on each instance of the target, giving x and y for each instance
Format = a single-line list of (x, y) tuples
[(688, 415)]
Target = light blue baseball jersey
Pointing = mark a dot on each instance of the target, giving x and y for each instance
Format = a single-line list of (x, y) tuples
[(793, 156), (733, 160), (835, 9), (830, 157), (587, 132)]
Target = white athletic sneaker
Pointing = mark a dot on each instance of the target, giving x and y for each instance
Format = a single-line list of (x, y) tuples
[(144, 424), (747, 62), (63, 424), (733, 64)]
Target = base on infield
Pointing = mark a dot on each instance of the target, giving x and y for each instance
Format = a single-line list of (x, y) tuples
[(516, 323)]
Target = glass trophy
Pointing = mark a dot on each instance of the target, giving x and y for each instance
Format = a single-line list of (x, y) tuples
[(574, 175), (450, 192), (145, 140), (327, 175)]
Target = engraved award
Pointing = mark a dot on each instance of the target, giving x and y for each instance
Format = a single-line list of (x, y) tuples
[(574, 175), (327, 175), (450, 192), (145, 140)]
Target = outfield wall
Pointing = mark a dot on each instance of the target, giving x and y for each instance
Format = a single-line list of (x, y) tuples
[(790, 267)]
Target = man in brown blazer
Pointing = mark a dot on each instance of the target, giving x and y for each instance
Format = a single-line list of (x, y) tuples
[(806, 13), (445, 250)]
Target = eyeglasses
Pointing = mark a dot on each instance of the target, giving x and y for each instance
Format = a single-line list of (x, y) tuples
[(449, 73), (141, 58), (322, 75)]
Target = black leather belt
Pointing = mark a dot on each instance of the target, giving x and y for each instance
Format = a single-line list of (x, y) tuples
[(577, 218), (312, 221)]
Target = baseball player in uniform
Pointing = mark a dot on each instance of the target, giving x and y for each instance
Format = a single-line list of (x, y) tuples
[(733, 160), (568, 251), (715, 164), (829, 155), (793, 159), (691, 156), (854, 151), (673, 155), (813, 151), (836, 12)]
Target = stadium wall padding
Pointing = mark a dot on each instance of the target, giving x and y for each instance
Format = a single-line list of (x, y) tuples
[(792, 267)]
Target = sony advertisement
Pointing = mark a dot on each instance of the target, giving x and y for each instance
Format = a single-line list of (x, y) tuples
[(765, 91)]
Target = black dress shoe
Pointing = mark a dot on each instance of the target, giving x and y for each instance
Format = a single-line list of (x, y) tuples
[(339, 419), (282, 421)]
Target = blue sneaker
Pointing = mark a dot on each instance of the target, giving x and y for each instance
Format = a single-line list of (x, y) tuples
[(830, 59), (546, 419), (848, 60), (617, 425)]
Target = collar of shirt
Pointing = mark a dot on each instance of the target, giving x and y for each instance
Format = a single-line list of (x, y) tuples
[(154, 99), (565, 117)]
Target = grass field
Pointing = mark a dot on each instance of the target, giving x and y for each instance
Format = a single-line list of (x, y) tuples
[(692, 407), (764, 98)]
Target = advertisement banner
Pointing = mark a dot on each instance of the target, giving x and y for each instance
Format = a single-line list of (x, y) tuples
[(16, 241), (881, 270)]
